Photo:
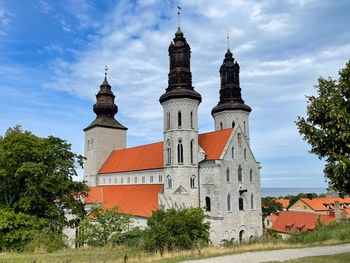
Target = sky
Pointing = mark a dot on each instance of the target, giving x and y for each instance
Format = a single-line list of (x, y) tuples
[(53, 54)]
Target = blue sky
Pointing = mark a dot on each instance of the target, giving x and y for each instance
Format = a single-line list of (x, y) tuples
[(52, 55)]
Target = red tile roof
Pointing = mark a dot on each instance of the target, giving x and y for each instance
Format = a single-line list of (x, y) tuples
[(150, 156), (138, 200), (305, 221), (273, 217), (283, 202), (318, 204)]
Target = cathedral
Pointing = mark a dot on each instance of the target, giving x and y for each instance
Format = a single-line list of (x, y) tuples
[(216, 170)]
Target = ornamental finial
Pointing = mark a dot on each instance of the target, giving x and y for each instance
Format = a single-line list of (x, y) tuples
[(228, 39), (178, 16), (106, 69)]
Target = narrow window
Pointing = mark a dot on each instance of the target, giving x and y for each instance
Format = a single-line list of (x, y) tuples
[(180, 152), (151, 179), (179, 120), (168, 120), (240, 204), (193, 181), (251, 175), (191, 119), (170, 182), (228, 179), (191, 151), (160, 178), (239, 138), (207, 204), (122, 180), (88, 145), (244, 128), (245, 154), (233, 124), (168, 150), (239, 174), (115, 180), (135, 180), (252, 201), (104, 180), (233, 152), (128, 180), (143, 179), (229, 202), (92, 144), (110, 180), (221, 127)]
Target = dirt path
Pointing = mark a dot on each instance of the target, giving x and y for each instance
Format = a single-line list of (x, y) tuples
[(276, 255)]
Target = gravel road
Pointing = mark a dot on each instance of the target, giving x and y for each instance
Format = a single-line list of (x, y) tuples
[(277, 255)]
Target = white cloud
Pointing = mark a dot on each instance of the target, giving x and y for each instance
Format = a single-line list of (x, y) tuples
[(5, 21)]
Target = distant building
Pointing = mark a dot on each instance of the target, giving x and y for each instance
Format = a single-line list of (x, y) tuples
[(270, 220), (283, 202)]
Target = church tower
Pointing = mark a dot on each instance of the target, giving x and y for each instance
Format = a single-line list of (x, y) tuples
[(231, 111), (104, 135), (180, 105)]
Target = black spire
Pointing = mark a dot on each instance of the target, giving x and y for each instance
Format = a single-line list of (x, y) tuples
[(180, 76), (105, 108), (230, 91)]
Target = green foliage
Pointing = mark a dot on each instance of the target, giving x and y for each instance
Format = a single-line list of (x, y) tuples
[(46, 240), (36, 184), (327, 127), (273, 233), (270, 206), (103, 226), (176, 228), (132, 238)]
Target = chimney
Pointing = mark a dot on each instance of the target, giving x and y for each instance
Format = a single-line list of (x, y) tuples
[(341, 195), (309, 196)]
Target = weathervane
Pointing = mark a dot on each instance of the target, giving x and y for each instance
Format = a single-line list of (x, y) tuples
[(106, 69), (178, 16), (228, 39)]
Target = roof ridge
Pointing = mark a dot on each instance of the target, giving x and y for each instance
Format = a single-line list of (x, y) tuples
[(216, 131), (137, 146)]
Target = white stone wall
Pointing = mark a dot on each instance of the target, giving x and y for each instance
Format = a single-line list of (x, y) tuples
[(153, 176), (239, 117), (99, 144)]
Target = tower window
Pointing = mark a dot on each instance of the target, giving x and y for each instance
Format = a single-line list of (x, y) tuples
[(229, 202), (110, 180), (207, 204), (233, 152), (228, 177), (92, 144), (170, 182), (193, 181), (180, 153), (239, 174), (115, 180), (251, 175), (245, 154), (135, 180), (240, 203), (179, 120), (233, 124), (168, 120), (160, 178), (151, 179), (244, 128), (143, 179), (191, 119), (252, 201), (221, 127), (239, 138), (191, 151), (128, 180), (168, 151), (122, 180)]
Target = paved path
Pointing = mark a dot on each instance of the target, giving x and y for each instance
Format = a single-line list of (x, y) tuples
[(277, 255)]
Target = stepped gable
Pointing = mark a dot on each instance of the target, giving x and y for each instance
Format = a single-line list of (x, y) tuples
[(150, 156), (138, 200), (294, 220)]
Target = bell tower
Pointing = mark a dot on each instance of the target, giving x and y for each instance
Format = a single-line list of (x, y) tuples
[(180, 105), (104, 135), (231, 110)]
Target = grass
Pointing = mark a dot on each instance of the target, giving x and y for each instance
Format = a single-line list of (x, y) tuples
[(331, 234), (338, 258)]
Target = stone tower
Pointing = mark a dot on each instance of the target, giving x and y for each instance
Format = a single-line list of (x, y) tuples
[(231, 111), (104, 135), (180, 104)]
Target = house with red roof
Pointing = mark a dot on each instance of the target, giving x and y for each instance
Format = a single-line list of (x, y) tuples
[(270, 220), (290, 221), (215, 170), (320, 205), (283, 202)]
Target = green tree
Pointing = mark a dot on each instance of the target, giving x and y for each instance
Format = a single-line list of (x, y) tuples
[(36, 182), (327, 127), (176, 228), (270, 206), (103, 226)]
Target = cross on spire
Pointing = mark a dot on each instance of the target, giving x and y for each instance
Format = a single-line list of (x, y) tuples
[(106, 69), (178, 16), (228, 39)]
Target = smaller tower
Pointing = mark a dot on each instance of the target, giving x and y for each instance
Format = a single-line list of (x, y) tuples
[(231, 110), (104, 135)]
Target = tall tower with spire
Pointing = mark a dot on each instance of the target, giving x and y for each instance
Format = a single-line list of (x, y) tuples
[(180, 105), (104, 135), (231, 111)]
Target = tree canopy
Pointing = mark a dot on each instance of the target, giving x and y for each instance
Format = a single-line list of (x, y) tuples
[(270, 206), (327, 127), (36, 180)]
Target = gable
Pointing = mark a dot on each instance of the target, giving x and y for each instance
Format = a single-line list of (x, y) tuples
[(213, 143)]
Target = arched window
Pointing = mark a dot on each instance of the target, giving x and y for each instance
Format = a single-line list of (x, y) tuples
[(88, 145), (180, 152), (229, 202), (239, 138), (245, 154), (143, 179), (135, 180), (128, 180), (252, 201), (170, 182), (122, 180), (151, 179), (115, 180), (191, 151), (160, 178), (207, 204), (168, 151), (251, 175), (179, 120), (228, 178), (233, 124), (233, 152), (193, 181), (168, 120), (191, 119), (240, 203), (221, 127), (239, 174)]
